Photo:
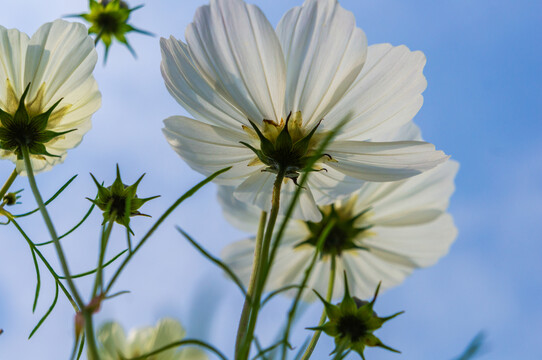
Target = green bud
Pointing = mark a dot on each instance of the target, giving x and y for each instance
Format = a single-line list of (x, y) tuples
[(119, 202), (11, 198), (109, 20), (352, 323), (22, 130)]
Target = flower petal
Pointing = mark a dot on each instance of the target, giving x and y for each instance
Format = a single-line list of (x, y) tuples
[(419, 199), (324, 53), (208, 148), (246, 217), (190, 88), (61, 55), (384, 161), (13, 46), (385, 95), (257, 190), (235, 48), (413, 246)]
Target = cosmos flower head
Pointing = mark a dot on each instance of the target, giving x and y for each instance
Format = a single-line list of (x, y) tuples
[(47, 92), (264, 99), (380, 233)]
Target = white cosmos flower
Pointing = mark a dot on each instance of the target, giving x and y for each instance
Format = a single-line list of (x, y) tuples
[(382, 233), (54, 66), (113, 342), (234, 67)]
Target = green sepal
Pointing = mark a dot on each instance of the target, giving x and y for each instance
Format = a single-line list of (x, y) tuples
[(302, 145), (332, 311), (6, 119), (40, 121), (348, 305), (21, 115), (283, 144), (266, 146)]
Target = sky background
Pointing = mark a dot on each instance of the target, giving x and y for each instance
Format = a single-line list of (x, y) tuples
[(482, 106)]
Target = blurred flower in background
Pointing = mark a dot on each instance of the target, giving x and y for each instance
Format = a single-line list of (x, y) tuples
[(115, 345)]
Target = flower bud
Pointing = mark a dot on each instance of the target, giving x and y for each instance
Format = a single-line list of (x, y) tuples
[(352, 323), (119, 202)]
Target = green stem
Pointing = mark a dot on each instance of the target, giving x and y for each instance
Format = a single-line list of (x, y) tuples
[(243, 321), (92, 348), (316, 335), (264, 258), (50, 227), (8, 183), (98, 283)]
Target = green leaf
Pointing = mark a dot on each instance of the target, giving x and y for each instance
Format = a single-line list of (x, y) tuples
[(46, 314), (59, 191), (215, 260)]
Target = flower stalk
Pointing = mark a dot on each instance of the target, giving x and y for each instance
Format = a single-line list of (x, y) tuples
[(243, 321), (8, 183), (316, 335), (263, 264)]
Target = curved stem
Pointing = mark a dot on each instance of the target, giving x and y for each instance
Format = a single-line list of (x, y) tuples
[(243, 321), (61, 257), (244, 351), (8, 183), (316, 335), (98, 283), (50, 227)]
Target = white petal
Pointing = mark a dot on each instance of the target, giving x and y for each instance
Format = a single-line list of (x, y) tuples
[(166, 332), (13, 46), (243, 216), (61, 55), (257, 190), (387, 161), (413, 246), (190, 88), (385, 95), (112, 340), (331, 185), (235, 47), (419, 199), (324, 53), (208, 148)]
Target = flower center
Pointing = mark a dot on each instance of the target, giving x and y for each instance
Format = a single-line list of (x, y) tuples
[(351, 326), (284, 147), (346, 232), (20, 130)]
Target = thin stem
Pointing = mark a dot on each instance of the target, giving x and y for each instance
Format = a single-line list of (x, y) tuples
[(92, 348), (50, 227), (98, 283), (243, 321), (47, 265), (316, 335), (308, 271), (260, 283), (8, 183)]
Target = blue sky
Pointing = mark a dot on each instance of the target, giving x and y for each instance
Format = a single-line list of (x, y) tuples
[(482, 106)]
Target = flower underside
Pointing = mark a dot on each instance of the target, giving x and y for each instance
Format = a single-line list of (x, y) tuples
[(352, 323), (285, 147), (27, 127), (347, 229)]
